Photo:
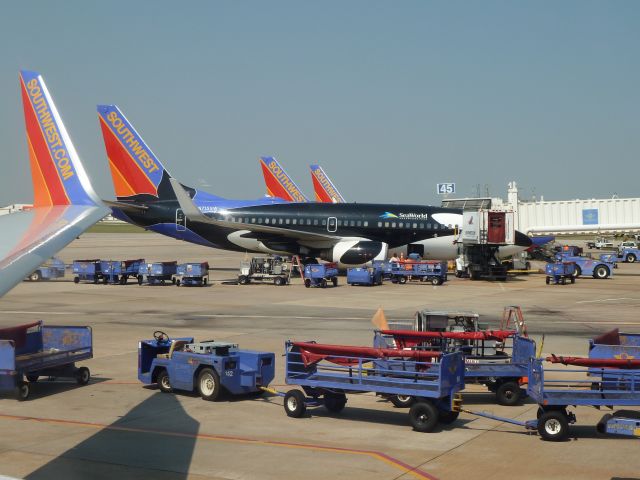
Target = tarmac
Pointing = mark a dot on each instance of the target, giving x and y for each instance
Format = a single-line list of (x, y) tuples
[(117, 428)]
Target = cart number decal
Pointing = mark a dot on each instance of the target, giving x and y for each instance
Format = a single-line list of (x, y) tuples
[(228, 373)]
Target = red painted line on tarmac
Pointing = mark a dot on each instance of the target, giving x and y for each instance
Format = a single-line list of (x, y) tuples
[(406, 468)]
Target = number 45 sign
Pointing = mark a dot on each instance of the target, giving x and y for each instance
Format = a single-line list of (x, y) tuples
[(445, 188)]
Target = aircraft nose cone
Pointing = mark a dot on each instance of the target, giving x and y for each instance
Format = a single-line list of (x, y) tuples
[(522, 240)]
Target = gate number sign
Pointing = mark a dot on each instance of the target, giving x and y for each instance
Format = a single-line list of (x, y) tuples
[(445, 188)]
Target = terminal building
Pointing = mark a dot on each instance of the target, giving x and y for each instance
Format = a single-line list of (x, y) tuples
[(610, 216)]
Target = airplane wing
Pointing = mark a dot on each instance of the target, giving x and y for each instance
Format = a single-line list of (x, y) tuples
[(65, 204), (194, 214)]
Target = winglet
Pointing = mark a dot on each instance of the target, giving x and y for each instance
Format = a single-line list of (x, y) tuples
[(135, 169), (279, 183), (323, 187), (58, 175), (186, 204)]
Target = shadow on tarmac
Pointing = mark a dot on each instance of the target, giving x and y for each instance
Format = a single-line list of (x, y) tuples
[(154, 439)]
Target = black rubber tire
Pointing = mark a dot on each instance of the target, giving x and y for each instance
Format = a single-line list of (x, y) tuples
[(563, 281), (163, 381), (105, 280), (35, 276), (402, 401), (208, 384), (548, 280), (278, 281), (294, 404), (83, 375), (423, 416), (123, 280), (436, 281), (76, 279), (140, 279), (601, 426), (32, 378), (243, 280), (577, 272), (509, 394), (631, 258), (307, 282), (22, 391), (334, 280), (402, 280), (601, 272), (553, 426), (447, 417), (204, 282), (177, 283), (323, 283), (573, 280), (335, 402)]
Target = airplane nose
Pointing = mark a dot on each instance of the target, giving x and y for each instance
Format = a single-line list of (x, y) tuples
[(522, 240)]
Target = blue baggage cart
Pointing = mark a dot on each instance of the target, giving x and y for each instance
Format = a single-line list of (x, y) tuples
[(331, 376), (560, 272), (157, 273), (130, 269), (207, 367), (366, 275), (497, 364), (86, 270), (426, 271), (192, 274), (55, 268), (319, 274), (110, 271), (30, 351)]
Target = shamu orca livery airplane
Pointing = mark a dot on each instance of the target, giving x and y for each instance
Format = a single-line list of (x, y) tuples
[(347, 233)]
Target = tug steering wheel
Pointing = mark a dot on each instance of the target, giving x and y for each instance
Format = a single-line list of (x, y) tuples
[(160, 336)]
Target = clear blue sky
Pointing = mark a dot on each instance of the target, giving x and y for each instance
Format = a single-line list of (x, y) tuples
[(390, 97)]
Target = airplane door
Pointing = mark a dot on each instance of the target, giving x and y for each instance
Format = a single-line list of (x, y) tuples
[(181, 220), (332, 224)]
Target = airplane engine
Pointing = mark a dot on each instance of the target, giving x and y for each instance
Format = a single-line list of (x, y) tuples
[(356, 252)]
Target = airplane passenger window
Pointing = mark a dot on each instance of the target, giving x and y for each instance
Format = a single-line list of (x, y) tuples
[(415, 225), (386, 224), (266, 220), (324, 223), (352, 223), (422, 225), (393, 224), (339, 223), (366, 224), (273, 220), (429, 226), (287, 221), (295, 221), (308, 221), (379, 224), (259, 220), (359, 223), (315, 221), (400, 225), (253, 220), (279, 221)]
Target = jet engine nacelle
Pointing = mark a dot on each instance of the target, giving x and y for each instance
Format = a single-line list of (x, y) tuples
[(356, 252)]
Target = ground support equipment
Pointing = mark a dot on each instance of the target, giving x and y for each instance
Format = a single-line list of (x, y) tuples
[(86, 270), (192, 274), (157, 273), (320, 274), (560, 272)]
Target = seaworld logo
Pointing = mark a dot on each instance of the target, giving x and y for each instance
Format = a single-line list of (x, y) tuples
[(388, 215), (408, 216)]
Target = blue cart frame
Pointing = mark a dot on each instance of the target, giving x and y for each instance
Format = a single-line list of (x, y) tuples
[(426, 271), (559, 272), (318, 274), (86, 270), (192, 274), (43, 351), (434, 384), (158, 273)]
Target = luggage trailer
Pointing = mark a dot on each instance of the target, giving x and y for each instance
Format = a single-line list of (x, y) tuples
[(30, 351), (327, 373), (158, 273)]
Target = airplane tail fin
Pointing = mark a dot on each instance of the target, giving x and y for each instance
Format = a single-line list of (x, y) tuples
[(279, 183), (135, 169), (323, 187), (59, 177)]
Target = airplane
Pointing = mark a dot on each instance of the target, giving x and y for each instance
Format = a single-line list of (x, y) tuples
[(65, 204), (323, 187), (346, 233)]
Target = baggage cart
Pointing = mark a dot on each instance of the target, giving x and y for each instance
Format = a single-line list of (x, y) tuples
[(426, 271), (327, 373), (157, 273), (86, 270), (368, 276), (28, 352), (560, 272), (192, 274), (319, 274)]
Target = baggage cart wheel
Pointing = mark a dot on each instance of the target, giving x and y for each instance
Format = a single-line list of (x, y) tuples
[(243, 279), (177, 282), (548, 280), (436, 281), (32, 378), (553, 426), (204, 282), (631, 258), (22, 391), (563, 281), (140, 279), (278, 281), (83, 375), (323, 283), (423, 416), (35, 276), (294, 403), (307, 282), (76, 279), (402, 401), (573, 280), (208, 384), (334, 280), (447, 417), (601, 272), (335, 402), (508, 393), (577, 272), (402, 280), (123, 280), (163, 381)]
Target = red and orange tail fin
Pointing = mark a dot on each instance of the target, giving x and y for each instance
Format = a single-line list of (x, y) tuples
[(58, 175), (135, 169), (325, 190), (279, 183)]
